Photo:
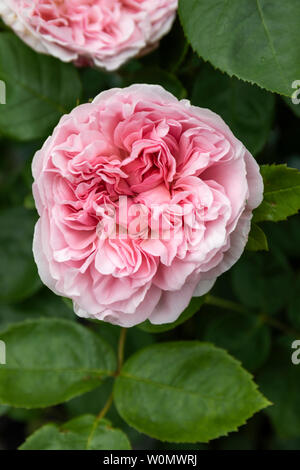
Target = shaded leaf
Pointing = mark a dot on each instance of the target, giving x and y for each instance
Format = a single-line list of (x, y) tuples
[(44, 304), (293, 307), (156, 76), (246, 109), (257, 239), (18, 273), (294, 107), (171, 57), (193, 307), (244, 336), (280, 379), (262, 281)]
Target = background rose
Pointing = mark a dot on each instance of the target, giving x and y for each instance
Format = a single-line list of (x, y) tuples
[(103, 32), (143, 143)]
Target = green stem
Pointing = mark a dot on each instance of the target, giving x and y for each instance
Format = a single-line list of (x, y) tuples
[(226, 304), (279, 325), (235, 307), (98, 418), (121, 348), (105, 409)]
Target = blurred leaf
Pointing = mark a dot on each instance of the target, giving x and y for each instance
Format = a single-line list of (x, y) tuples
[(107, 331), (183, 447), (294, 107), (40, 89), (294, 305), (185, 392), (51, 361), (135, 338), (257, 240), (194, 307), (244, 336), (286, 444), (4, 409), (68, 303), (18, 273), (82, 433), (15, 164), (247, 109), (43, 304), (280, 379), (262, 281), (22, 415), (281, 193), (256, 41), (285, 235), (171, 57), (29, 202), (95, 81), (91, 402), (236, 441), (156, 76)]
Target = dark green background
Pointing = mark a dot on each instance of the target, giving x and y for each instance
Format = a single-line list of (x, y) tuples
[(262, 314)]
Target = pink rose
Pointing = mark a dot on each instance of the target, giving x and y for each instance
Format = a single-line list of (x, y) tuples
[(143, 201), (104, 32)]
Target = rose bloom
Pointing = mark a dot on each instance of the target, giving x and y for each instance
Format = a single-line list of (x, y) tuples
[(142, 144), (102, 32)]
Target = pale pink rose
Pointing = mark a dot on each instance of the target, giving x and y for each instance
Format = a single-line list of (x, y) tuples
[(102, 32), (140, 145)]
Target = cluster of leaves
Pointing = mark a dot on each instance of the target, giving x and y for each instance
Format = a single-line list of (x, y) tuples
[(187, 383)]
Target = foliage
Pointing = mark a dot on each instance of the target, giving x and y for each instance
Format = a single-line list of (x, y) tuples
[(77, 384)]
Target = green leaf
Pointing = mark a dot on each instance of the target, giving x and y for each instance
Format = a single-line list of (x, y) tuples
[(281, 193), (51, 361), (18, 274), (194, 307), (39, 88), (262, 281), (82, 433), (255, 40), (244, 336), (185, 392), (246, 109), (156, 76), (257, 239)]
